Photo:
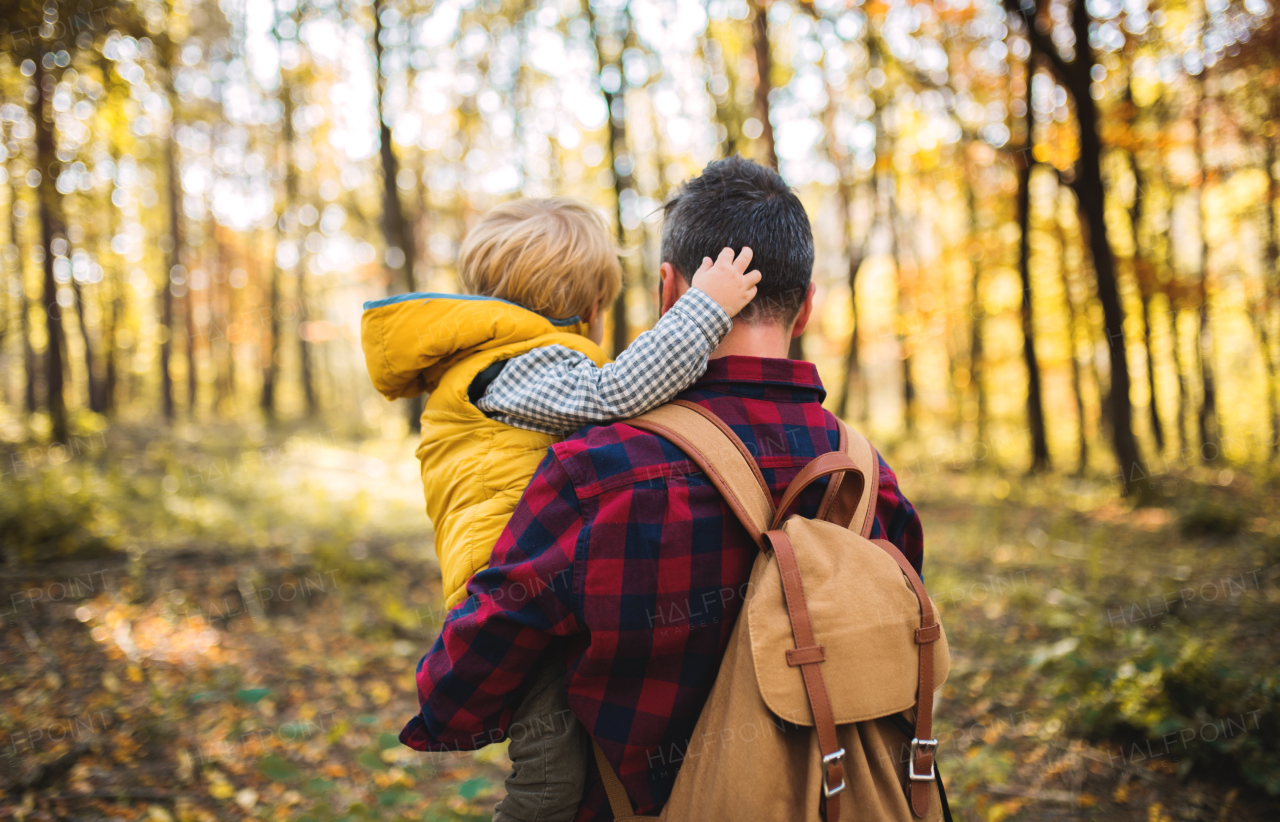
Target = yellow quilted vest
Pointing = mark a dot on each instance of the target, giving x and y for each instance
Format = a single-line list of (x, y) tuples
[(474, 469)]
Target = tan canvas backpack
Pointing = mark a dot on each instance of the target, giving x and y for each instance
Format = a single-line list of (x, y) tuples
[(822, 708)]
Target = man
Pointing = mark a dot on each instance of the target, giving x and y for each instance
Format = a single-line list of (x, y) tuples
[(621, 556)]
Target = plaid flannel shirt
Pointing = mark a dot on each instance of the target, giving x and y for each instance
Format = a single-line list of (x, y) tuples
[(557, 390), (622, 554)]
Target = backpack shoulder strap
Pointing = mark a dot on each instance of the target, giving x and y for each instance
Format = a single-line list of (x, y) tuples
[(721, 455), (619, 802), (857, 515), (727, 462)]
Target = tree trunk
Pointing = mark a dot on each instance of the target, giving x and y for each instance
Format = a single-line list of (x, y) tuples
[(1174, 313), (1073, 327), (50, 224), (1156, 428), (29, 365), (219, 320), (1271, 265), (1207, 420), (1142, 272), (19, 279), (92, 385), (1142, 277), (193, 339), (1091, 196), (1090, 190), (395, 228), (232, 390), (287, 138), (904, 347), (977, 311), (110, 353), (1035, 402), (764, 85), (854, 253), (727, 114), (173, 187), (270, 358), (1174, 297), (229, 348), (1260, 314), (621, 182), (1035, 395), (111, 274), (852, 382), (8, 294), (615, 103), (305, 367)]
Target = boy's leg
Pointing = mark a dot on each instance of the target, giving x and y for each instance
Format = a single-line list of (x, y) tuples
[(548, 755)]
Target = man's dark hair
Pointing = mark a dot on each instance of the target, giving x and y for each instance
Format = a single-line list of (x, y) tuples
[(736, 202)]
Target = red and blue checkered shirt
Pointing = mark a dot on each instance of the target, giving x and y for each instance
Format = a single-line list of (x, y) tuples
[(622, 554)]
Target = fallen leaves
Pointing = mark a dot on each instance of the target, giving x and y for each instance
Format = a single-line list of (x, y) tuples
[(247, 798), (219, 786)]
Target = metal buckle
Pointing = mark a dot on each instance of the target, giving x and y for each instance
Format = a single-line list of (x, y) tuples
[(828, 760), (916, 744)]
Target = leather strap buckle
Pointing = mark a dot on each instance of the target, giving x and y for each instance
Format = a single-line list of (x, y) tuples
[(806, 656), (916, 745), (928, 634), (827, 761)]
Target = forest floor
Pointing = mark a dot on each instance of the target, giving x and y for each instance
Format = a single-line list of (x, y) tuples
[(235, 633)]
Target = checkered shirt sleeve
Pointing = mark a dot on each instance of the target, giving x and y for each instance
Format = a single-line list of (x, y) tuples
[(557, 390)]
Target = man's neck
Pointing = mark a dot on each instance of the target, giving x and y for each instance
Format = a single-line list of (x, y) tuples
[(768, 340)]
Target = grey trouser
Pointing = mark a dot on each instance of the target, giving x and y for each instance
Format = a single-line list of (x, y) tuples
[(548, 755)]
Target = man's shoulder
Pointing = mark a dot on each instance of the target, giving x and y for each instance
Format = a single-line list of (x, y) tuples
[(599, 457)]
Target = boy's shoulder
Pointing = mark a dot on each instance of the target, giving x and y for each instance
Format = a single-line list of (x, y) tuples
[(467, 318), (410, 341)]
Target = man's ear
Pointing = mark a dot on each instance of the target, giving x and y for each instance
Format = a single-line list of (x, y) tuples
[(671, 286), (806, 311)]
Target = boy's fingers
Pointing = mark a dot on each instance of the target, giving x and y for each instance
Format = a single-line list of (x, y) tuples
[(726, 257), (744, 259), (706, 264), (752, 277)]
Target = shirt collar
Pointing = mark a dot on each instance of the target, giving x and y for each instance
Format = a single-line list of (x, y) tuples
[(763, 378)]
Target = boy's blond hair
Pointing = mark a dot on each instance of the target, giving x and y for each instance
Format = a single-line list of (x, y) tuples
[(552, 256)]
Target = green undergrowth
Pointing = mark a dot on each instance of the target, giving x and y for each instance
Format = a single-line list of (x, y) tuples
[(1149, 633), (1144, 636), (227, 488)]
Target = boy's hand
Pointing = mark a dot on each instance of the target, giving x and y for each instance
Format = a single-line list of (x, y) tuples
[(725, 281)]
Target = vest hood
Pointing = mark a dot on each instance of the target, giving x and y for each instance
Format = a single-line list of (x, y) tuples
[(411, 340)]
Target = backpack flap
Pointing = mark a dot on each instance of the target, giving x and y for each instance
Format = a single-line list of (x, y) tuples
[(864, 615)]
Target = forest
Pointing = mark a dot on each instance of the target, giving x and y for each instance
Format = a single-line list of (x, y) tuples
[(1048, 288)]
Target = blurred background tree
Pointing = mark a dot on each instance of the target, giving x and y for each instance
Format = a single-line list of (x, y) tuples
[(1039, 223)]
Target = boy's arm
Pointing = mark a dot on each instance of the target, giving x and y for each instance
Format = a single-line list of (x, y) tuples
[(492, 643), (557, 390)]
